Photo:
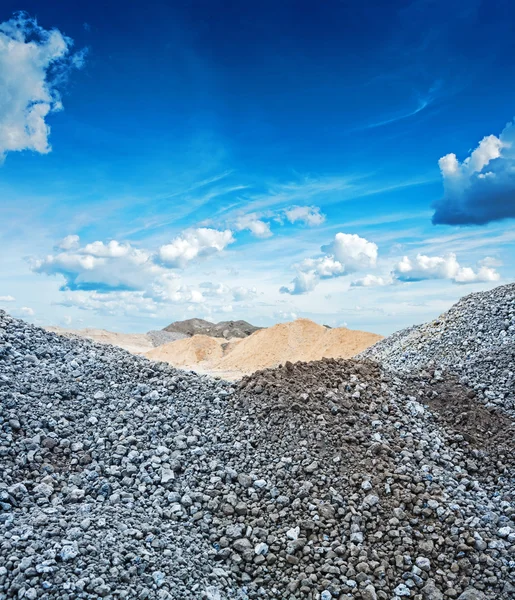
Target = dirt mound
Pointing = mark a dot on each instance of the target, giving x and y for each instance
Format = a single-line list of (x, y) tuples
[(137, 343), (224, 329), (301, 340), (189, 351)]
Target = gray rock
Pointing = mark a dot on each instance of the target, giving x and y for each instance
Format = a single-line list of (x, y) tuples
[(472, 594)]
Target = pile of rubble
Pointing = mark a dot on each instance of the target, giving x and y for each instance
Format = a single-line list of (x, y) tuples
[(474, 340), (125, 478)]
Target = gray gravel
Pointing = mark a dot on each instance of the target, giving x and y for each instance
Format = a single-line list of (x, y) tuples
[(223, 329), (124, 478), (474, 340), (158, 337)]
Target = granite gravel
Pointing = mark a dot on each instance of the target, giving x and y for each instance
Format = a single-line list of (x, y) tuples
[(125, 478), (474, 340)]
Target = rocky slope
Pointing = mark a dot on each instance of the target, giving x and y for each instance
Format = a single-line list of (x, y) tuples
[(474, 340), (124, 478), (224, 329)]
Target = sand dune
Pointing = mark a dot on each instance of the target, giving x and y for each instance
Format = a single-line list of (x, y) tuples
[(137, 343), (190, 351), (301, 340)]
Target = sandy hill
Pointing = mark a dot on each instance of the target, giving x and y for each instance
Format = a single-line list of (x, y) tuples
[(224, 329), (137, 343), (300, 340), (190, 351)]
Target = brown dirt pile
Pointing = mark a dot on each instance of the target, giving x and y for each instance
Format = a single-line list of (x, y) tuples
[(300, 340)]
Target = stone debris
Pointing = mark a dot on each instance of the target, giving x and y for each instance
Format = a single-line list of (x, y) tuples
[(474, 341), (224, 329), (126, 478)]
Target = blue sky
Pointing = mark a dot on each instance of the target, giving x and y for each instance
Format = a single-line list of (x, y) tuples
[(350, 163)]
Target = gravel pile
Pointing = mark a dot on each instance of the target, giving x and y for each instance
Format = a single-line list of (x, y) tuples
[(474, 340), (223, 329), (124, 478), (159, 337)]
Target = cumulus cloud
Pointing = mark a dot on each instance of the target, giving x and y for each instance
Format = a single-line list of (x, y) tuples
[(301, 284), (169, 287), (372, 281), (482, 187), (241, 293), (441, 267), (33, 62), (117, 278), (352, 251), (70, 242), (214, 289), (99, 266), (309, 215), (346, 254), (253, 223), (223, 292), (26, 310), (193, 244), (259, 223), (113, 304), (324, 267), (7, 299)]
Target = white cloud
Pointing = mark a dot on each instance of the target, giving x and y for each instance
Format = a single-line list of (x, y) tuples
[(29, 55), (169, 287), (490, 261), (70, 242), (309, 215), (254, 224), (241, 293), (114, 249), (214, 289), (117, 278), (346, 254), (112, 304), (441, 267), (99, 266), (353, 251), (301, 284), (324, 267), (482, 187), (286, 316), (372, 281), (259, 227), (7, 299), (193, 244), (26, 310)]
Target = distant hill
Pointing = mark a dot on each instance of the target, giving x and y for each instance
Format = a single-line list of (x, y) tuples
[(224, 329), (300, 340)]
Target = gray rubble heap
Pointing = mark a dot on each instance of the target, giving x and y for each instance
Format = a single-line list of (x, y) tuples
[(124, 478), (159, 337), (223, 329), (475, 340)]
